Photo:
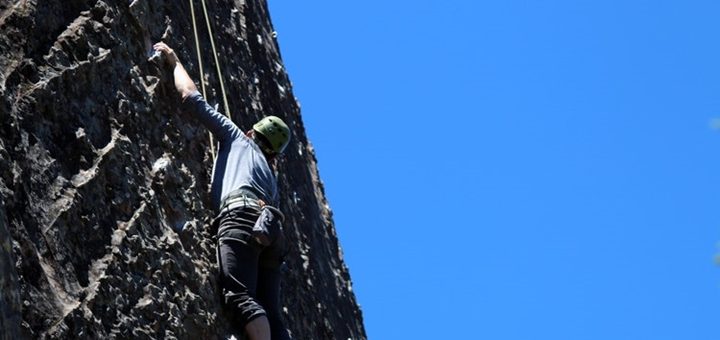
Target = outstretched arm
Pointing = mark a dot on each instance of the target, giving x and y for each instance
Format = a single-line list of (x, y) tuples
[(183, 83), (220, 126)]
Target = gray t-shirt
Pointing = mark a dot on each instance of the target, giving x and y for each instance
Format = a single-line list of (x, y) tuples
[(239, 162)]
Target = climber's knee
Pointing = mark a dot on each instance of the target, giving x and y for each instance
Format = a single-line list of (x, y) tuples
[(243, 306)]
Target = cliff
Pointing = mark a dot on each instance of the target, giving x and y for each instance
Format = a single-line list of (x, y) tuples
[(104, 205)]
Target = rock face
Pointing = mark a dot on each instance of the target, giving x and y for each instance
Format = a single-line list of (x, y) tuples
[(104, 205)]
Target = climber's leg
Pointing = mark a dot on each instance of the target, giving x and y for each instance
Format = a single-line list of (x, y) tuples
[(258, 329), (268, 289), (238, 257), (268, 294)]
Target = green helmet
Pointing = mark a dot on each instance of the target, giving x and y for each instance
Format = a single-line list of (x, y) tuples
[(275, 131)]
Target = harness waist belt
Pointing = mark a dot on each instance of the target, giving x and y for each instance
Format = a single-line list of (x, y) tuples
[(240, 197)]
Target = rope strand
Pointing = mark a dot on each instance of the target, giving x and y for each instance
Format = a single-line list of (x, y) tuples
[(217, 62), (202, 78)]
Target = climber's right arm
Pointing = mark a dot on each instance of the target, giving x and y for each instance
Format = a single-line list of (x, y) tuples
[(220, 126)]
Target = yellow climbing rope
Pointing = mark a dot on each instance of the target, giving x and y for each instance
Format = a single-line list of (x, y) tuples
[(217, 63), (200, 65)]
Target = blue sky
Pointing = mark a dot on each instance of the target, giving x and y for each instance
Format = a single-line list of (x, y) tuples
[(518, 169)]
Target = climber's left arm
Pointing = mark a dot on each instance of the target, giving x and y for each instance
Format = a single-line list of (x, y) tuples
[(220, 126), (183, 83)]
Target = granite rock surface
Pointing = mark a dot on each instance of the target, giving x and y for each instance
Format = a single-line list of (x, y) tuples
[(104, 205)]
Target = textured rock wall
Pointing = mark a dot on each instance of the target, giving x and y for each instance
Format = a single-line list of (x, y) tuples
[(104, 205), (9, 289)]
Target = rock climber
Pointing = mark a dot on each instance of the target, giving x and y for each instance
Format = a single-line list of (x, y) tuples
[(244, 188)]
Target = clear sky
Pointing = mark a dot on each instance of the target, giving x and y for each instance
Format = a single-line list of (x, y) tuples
[(518, 169)]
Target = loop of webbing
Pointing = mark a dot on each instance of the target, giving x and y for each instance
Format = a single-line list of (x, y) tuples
[(217, 64), (276, 211)]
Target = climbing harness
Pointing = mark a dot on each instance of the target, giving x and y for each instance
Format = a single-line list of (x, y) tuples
[(269, 223), (242, 196), (217, 63)]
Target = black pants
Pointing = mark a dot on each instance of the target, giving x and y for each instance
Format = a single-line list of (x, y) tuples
[(249, 272)]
